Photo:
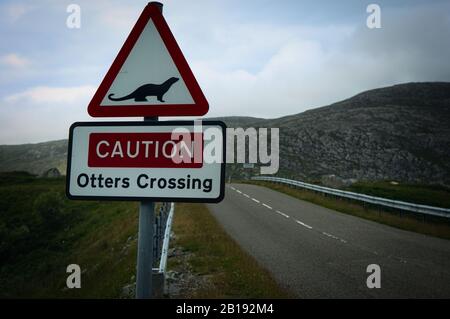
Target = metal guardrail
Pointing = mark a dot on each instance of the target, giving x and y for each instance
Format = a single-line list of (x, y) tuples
[(161, 236), (166, 239), (405, 206), (161, 239)]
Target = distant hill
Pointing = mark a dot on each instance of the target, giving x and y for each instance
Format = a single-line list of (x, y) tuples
[(34, 158), (399, 133)]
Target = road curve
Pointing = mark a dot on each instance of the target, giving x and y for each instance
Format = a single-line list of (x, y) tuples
[(316, 252)]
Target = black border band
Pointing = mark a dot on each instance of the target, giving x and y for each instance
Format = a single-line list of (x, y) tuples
[(160, 199)]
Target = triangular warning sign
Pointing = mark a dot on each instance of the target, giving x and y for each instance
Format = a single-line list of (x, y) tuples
[(150, 76)]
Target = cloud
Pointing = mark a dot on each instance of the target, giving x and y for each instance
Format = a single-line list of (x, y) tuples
[(16, 11), (44, 94), (315, 66), (42, 113), (14, 60), (290, 80)]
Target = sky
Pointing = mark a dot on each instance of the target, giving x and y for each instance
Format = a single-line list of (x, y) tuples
[(251, 58)]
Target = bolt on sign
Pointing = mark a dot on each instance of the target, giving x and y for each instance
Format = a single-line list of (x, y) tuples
[(171, 160)]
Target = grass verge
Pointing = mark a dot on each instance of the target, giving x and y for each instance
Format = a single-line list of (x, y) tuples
[(433, 195), (41, 233), (429, 226), (231, 272)]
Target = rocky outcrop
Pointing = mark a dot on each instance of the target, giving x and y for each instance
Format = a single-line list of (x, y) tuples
[(399, 133), (51, 173)]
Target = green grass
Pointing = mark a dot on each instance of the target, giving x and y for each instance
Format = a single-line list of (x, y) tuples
[(232, 272), (433, 195), (41, 232), (407, 221)]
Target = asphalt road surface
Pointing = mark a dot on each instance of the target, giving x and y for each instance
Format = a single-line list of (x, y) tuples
[(316, 252)]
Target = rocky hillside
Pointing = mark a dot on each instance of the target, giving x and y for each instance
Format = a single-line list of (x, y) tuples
[(34, 158), (399, 133)]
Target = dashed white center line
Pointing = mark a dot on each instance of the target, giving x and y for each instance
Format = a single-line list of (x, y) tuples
[(303, 224), (334, 237), (282, 214), (287, 216), (327, 234)]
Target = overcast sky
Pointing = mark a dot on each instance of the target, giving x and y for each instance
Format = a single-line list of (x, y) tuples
[(253, 58)]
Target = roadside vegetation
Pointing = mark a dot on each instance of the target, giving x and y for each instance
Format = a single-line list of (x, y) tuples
[(428, 225), (432, 195), (41, 233)]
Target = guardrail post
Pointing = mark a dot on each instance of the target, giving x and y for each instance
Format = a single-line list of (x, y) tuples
[(158, 284), (157, 238), (155, 242)]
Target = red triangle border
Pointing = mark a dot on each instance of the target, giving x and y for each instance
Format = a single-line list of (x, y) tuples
[(200, 106)]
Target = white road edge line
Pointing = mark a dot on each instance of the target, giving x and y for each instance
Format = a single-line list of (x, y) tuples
[(303, 224), (255, 200), (233, 188), (265, 205), (237, 190), (282, 214), (245, 195)]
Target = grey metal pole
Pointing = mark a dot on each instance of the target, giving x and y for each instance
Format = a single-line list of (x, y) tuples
[(145, 251), (145, 236)]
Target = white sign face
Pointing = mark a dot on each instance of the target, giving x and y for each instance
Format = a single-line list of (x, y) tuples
[(165, 161), (148, 76)]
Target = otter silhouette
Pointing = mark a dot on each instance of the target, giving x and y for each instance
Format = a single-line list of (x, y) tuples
[(141, 93)]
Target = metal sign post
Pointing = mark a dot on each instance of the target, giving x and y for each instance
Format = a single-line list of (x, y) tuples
[(145, 237), (144, 263), (145, 250)]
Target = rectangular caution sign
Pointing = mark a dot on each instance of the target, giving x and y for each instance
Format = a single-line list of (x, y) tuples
[(161, 161)]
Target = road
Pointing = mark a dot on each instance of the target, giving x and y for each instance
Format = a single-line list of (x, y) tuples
[(316, 252)]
